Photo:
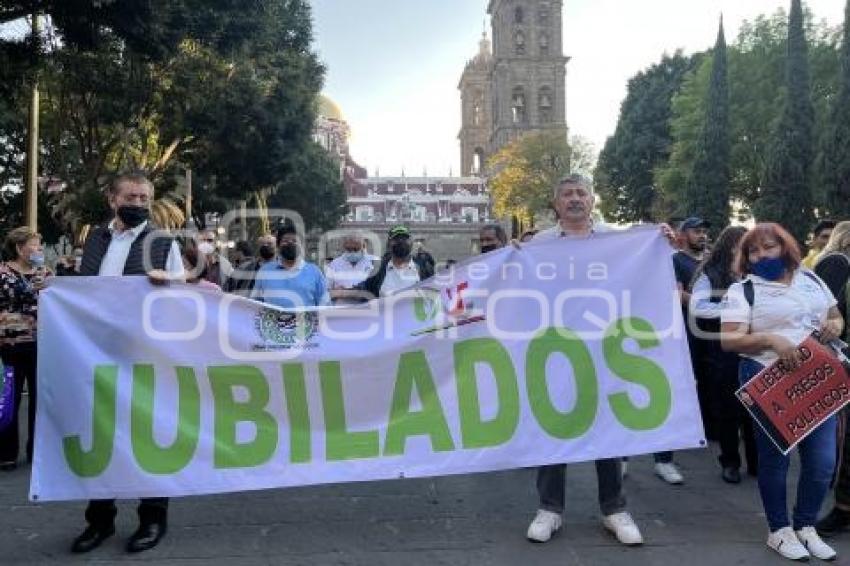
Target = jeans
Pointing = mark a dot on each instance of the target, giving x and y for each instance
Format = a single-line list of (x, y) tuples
[(817, 464), (552, 489)]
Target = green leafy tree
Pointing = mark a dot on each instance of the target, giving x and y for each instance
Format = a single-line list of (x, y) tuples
[(756, 92), (707, 192), (641, 142), (225, 88), (313, 188), (526, 171), (834, 162), (687, 118), (786, 197)]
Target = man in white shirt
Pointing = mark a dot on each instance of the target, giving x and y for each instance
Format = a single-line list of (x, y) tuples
[(131, 204), (348, 270), (573, 201), (129, 245)]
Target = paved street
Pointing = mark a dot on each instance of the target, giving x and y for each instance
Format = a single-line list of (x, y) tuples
[(462, 520)]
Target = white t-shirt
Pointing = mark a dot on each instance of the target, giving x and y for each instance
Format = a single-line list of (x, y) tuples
[(792, 311), (399, 278)]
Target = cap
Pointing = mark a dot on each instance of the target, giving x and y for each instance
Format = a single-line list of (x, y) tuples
[(400, 230), (694, 222)]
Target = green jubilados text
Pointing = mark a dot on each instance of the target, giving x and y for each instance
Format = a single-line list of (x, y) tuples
[(406, 418)]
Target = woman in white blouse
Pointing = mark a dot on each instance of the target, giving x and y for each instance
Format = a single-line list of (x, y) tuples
[(786, 303)]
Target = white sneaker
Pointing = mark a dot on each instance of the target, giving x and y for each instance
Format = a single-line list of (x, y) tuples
[(624, 528), (669, 473), (544, 525), (813, 543), (785, 542)]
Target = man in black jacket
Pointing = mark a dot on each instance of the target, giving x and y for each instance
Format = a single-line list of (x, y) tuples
[(398, 270), (120, 248)]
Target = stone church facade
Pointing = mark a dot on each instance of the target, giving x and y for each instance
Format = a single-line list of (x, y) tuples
[(517, 87)]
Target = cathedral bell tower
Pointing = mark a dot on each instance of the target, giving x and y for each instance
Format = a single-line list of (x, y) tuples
[(476, 113), (528, 77)]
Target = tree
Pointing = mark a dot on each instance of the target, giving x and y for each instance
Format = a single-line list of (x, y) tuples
[(686, 124), (834, 162), (786, 197), (707, 192), (583, 156), (756, 91), (641, 142), (526, 171), (313, 188), (153, 29), (225, 88)]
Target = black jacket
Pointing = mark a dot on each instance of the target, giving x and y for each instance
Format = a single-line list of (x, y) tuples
[(373, 284)]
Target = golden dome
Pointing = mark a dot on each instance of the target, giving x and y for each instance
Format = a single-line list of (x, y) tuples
[(329, 109)]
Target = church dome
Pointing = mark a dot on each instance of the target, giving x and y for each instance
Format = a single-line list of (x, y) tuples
[(329, 109)]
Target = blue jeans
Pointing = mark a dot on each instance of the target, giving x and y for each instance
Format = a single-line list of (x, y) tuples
[(817, 464)]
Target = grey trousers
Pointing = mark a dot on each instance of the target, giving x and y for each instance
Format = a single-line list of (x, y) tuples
[(552, 489)]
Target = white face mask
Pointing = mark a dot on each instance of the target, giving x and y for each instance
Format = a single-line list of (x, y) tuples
[(353, 257), (206, 248)]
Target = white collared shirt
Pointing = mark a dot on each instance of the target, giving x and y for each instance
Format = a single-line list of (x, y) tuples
[(119, 248), (399, 278)]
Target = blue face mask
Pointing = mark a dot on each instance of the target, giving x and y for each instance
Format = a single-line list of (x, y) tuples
[(36, 259), (770, 268), (353, 257)]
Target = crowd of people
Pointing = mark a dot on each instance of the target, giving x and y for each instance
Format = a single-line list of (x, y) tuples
[(748, 298)]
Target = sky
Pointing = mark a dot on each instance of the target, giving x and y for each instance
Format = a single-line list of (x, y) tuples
[(393, 66)]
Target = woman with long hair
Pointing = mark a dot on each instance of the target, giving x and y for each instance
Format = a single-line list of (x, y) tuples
[(764, 318), (711, 281), (834, 268)]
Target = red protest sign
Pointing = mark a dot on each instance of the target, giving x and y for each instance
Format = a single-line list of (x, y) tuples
[(789, 405)]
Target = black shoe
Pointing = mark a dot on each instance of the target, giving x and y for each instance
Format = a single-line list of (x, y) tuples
[(10, 466), (91, 538), (731, 475), (146, 537), (835, 522)]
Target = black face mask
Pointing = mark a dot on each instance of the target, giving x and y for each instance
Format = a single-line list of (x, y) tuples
[(132, 215), (267, 252), (487, 249), (289, 252), (401, 249)]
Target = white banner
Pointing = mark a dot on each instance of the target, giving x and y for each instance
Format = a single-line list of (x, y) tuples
[(561, 351)]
